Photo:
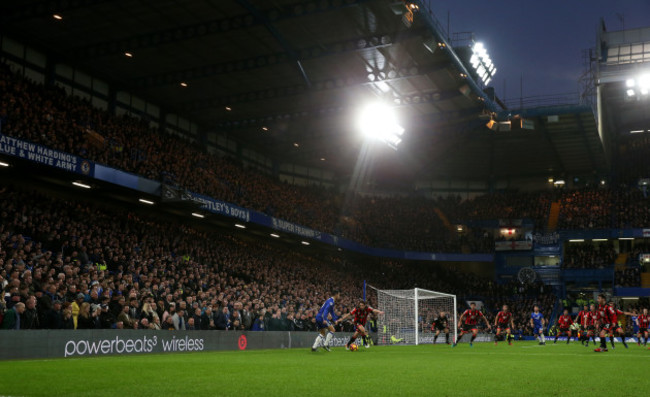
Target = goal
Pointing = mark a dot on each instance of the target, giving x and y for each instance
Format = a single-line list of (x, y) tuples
[(408, 314)]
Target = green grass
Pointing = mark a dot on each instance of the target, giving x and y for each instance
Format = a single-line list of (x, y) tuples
[(523, 369)]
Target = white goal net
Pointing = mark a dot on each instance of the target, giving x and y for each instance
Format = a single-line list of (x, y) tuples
[(410, 313)]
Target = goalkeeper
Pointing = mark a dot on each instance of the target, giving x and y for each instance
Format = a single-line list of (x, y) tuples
[(441, 324), (360, 315)]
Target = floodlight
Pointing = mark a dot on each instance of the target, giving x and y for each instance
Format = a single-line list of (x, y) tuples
[(631, 92), (378, 121), (644, 82), (481, 63), (82, 185), (630, 83)]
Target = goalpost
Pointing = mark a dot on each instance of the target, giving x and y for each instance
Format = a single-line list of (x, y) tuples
[(409, 314)]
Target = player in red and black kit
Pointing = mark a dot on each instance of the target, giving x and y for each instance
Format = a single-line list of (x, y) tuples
[(643, 321), (592, 321), (582, 319), (470, 317), (504, 322), (608, 323), (360, 317), (564, 326), (617, 329)]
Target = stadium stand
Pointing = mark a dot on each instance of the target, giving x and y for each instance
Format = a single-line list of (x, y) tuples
[(588, 255), (47, 116), (65, 252)]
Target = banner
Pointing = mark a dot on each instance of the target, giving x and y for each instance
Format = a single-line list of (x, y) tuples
[(522, 245), (44, 155), (103, 342), (174, 194), (546, 238), (284, 226), (646, 232), (511, 222)]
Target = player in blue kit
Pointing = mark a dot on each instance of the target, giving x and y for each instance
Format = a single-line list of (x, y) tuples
[(537, 323), (324, 321)]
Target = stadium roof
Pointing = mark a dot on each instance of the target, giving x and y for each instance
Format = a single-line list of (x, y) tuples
[(273, 74)]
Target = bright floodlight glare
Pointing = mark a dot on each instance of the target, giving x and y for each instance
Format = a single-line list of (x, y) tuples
[(644, 81), (630, 92), (630, 83), (481, 63), (82, 185), (378, 121)]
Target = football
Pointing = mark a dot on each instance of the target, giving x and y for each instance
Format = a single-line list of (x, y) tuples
[(354, 348)]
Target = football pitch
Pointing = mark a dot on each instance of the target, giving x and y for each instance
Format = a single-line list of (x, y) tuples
[(524, 369)]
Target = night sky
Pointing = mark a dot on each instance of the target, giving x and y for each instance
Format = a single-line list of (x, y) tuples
[(542, 40)]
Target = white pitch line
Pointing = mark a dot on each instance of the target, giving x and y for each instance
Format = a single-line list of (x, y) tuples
[(548, 354)]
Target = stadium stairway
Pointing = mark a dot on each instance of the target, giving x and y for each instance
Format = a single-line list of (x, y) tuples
[(621, 259), (553, 216), (645, 280), (443, 219)]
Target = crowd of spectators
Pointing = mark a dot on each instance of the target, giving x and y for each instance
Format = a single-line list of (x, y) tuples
[(627, 277), (633, 159), (502, 205), (602, 208), (68, 264), (133, 274), (589, 255), (48, 116)]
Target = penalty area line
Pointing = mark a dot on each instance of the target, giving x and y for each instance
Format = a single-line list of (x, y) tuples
[(612, 354)]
